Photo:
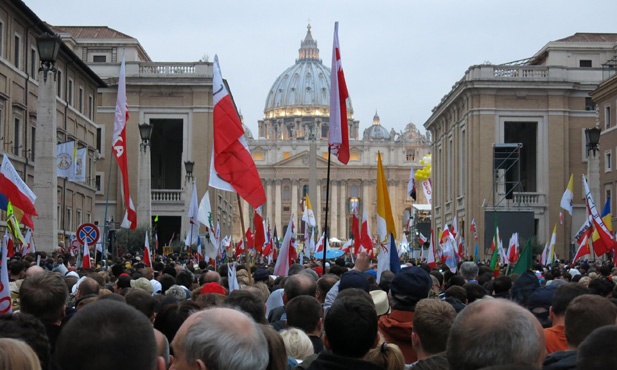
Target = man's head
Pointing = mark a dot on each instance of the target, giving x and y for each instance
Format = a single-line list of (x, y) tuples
[(297, 285), (210, 277), (469, 270), (598, 349), (351, 325), (142, 301), (44, 296), (586, 313), (219, 338), (28, 329), (88, 287), (304, 312), (495, 332), (115, 347), (409, 285), (563, 296), (324, 284), (431, 325), (249, 301)]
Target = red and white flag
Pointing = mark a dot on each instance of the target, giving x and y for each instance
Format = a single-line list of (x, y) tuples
[(200, 255), (355, 230), (239, 248), (366, 243), (15, 189), (147, 256), (320, 244), (422, 239), (85, 261), (232, 167), (29, 245), (513, 249), (281, 268), (583, 249), (474, 229), (5, 289), (339, 127), (119, 148)]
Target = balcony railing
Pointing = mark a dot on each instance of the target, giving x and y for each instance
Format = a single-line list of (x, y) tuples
[(167, 196), (529, 199)]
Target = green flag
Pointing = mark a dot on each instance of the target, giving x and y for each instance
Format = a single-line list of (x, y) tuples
[(156, 218), (495, 249), (525, 260)]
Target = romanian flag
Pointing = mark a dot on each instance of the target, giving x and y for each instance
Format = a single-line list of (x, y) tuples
[(606, 216), (386, 232)]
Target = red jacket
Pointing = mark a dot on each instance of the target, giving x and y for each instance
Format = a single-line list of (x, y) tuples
[(396, 328)]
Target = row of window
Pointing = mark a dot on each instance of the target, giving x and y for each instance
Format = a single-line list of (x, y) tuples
[(70, 222)]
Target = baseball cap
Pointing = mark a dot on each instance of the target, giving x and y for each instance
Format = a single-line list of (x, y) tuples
[(143, 284)]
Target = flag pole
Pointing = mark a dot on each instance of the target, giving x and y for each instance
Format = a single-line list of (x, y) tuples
[(246, 249), (326, 230)]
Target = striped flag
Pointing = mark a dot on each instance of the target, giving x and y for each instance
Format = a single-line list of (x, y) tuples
[(338, 138), (386, 232)]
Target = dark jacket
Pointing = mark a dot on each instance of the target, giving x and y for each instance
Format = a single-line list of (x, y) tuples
[(328, 361), (560, 360)]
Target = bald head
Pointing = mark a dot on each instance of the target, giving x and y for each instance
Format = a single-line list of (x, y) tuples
[(210, 277), (297, 285), (495, 332), (221, 338), (32, 270)]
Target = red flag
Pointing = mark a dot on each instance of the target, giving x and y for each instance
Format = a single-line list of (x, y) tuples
[(10, 248), (606, 239), (85, 261), (320, 244), (119, 148), (239, 248), (366, 243), (260, 235), (147, 259), (339, 127), (250, 240), (233, 167)]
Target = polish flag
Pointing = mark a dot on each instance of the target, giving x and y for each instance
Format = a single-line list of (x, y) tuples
[(366, 243), (147, 257), (339, 127), (606, 238), (583, 249), (346, 248), (232, 167), (29, 246), (422, 239), (119, 148), (320, 244), (85, 261), (15, 189), (239, 248), (513, 249), (5, 291)]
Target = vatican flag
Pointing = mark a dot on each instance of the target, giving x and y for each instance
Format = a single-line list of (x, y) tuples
[(65, 160)]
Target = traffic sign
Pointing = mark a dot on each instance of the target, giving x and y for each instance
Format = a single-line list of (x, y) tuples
[(88, 233)]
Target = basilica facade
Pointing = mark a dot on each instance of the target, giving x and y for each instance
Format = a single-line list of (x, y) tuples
[(291, 154)]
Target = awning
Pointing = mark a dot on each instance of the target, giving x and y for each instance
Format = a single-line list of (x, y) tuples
[(422, 207)]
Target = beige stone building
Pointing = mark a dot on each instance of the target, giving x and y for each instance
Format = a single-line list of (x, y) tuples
[(542, 103), (605, 96), (75, 110)]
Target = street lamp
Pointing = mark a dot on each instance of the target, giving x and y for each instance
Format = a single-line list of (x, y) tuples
[(48, 46), (188, 166), (145, 131), (592, 137)]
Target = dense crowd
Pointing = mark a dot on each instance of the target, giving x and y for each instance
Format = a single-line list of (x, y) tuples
[(180, 315)]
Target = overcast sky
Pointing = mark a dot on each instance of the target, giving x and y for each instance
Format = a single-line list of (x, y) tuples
[(400, 57)]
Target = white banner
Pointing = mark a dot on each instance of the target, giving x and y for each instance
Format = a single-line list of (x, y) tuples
[(65, 160), (428, 190), (80, 166)]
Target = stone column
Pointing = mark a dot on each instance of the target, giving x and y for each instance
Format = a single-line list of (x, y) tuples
[(343, 211), (294, 203), (144, 205), (334, 199), (269, 203), (45, 179), (278, 209)]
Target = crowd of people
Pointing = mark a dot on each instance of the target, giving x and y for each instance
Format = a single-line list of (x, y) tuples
[(183, 315)]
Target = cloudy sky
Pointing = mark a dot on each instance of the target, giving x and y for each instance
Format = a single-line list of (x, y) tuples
[(400, 57)]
